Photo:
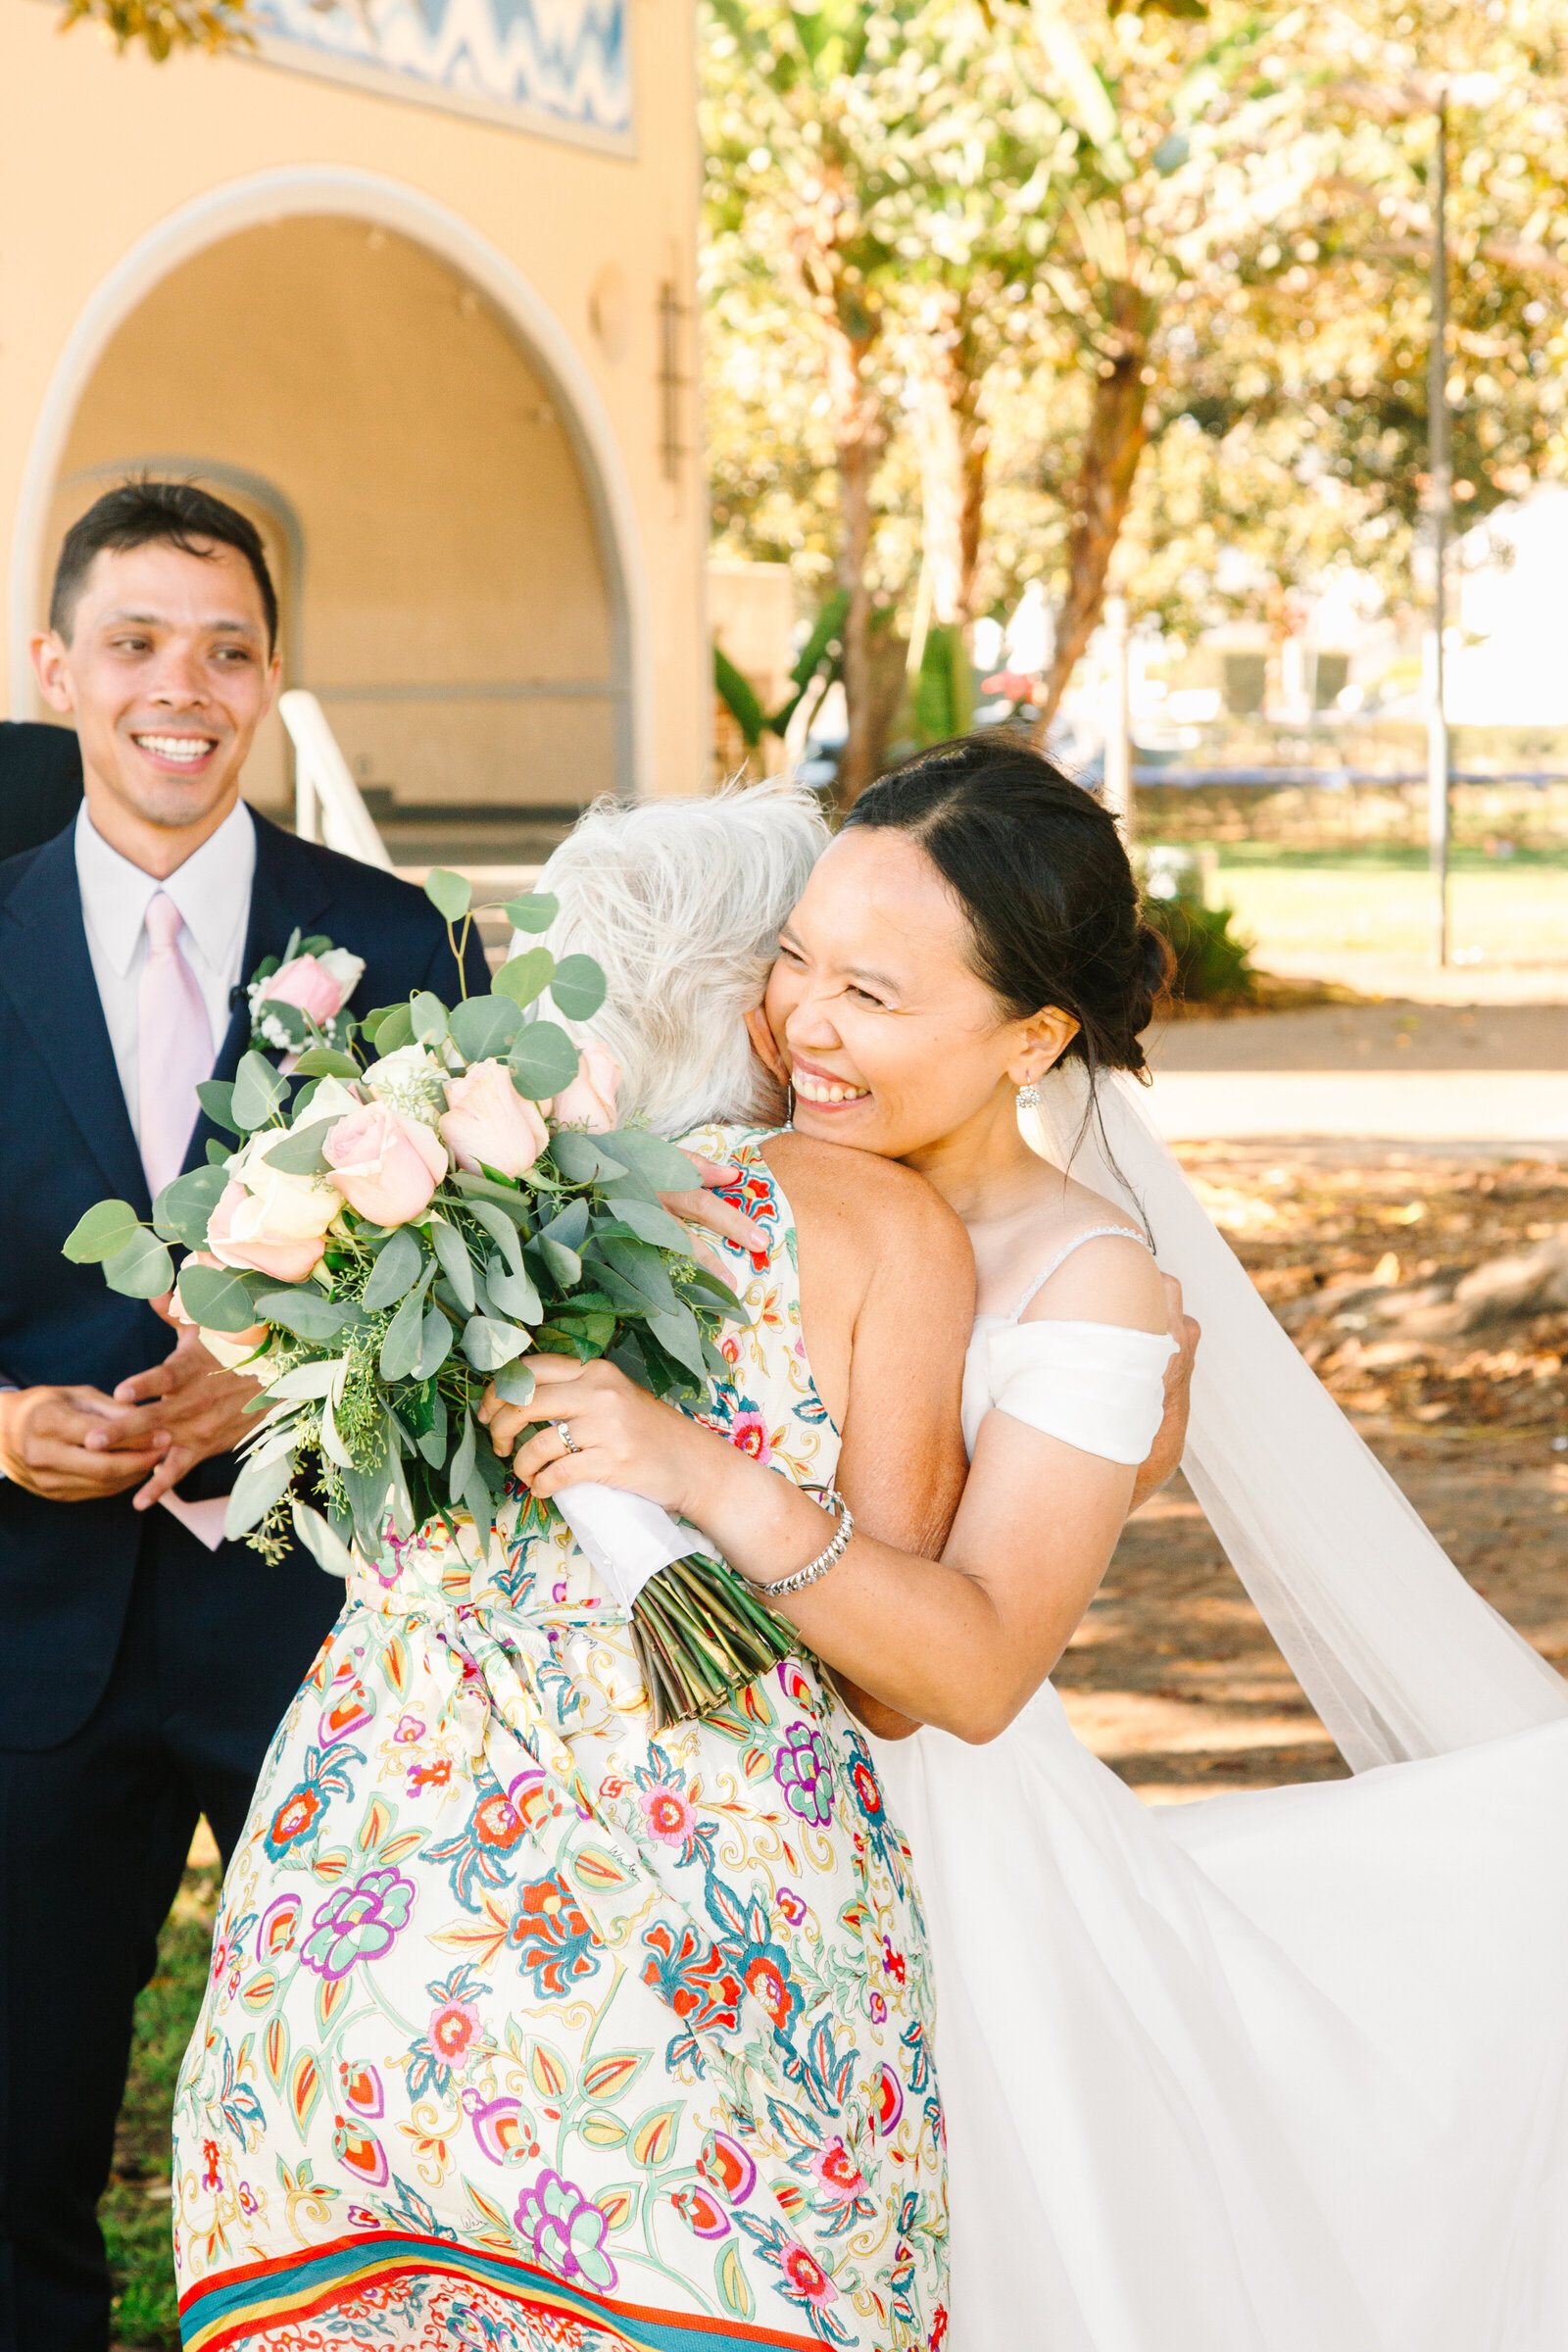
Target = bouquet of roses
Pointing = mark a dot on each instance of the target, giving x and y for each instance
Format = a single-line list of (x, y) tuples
[(407, 1210)]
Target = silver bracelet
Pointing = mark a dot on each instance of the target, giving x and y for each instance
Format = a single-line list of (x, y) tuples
[(831, 1499)]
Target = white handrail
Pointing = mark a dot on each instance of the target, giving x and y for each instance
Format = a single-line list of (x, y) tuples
[(328, 805)]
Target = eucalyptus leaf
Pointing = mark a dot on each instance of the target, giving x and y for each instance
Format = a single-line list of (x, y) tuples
[(502, 1229), (668, 1169), (325, 1062), (369, 1495), (462, 1460), (258, 1089), (481, 1510), (563, 1263), (677, 1333), (483, 1027), (305, 1312), (217, 1297), (536, 911), (542, 1061), (182, 1208), (327, 1549), (447, 893), (218, 1153), (514, 1383), (488, 1344), (436, 1345), (142, 1269), (582, 1159), (512, 1204), (395, 1272), (105, 1230), (640, 1265), (299, 1152), (429, 1017), (258, 1486), (651, 1223), (394, 1030), (455, 1264), (433, 1444), (403, 1342), (578, 988), (526, 976), (570, 1225), (513, 1294), (217, 1097)]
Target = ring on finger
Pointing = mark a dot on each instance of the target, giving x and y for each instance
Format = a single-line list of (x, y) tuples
[(564, 1432)]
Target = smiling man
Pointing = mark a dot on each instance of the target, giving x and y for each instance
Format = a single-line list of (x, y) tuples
[(144, 1662)]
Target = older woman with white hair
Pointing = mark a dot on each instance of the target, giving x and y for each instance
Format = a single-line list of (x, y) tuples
[(569, 2034)]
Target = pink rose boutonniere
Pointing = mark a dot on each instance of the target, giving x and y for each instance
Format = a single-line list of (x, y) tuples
[(300, 999)]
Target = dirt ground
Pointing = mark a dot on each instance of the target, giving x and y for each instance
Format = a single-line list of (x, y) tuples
[(1172, 1677)]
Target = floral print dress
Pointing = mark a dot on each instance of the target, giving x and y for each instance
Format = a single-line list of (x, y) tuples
[(527, 2028)]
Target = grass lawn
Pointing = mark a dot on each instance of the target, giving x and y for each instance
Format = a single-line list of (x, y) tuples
[(1293, 903), (135, 2209)]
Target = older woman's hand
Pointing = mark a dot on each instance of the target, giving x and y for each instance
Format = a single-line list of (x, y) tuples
[(620, 1435)]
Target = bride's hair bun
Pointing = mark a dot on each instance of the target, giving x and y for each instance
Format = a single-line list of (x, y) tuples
[(1042, 875)]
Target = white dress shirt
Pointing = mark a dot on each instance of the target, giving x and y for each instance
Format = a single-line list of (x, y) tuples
[(213, 892)]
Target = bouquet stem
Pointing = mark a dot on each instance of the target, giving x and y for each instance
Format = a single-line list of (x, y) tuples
[(701, 1635)]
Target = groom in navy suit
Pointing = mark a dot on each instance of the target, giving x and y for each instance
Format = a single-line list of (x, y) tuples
[(143, 1667)]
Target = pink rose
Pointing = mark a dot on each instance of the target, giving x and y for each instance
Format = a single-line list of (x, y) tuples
[(590, 1100), (238, 1235), (487, 1122), (317, 986), (385, 1165)]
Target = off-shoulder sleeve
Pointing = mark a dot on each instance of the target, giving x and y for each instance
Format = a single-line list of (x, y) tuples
[(1095, 1386)]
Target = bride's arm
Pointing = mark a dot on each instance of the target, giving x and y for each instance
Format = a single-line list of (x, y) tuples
[(962, 1641)]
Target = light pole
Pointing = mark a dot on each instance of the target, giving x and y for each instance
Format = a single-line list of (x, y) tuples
[(1439, 510)]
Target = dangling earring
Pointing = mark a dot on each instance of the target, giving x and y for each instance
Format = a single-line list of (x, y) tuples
[(1029, 1097)]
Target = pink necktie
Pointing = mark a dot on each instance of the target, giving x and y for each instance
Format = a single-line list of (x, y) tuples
[(174, 1046)]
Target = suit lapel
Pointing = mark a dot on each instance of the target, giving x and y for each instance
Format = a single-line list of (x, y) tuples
[(287, 893), (46, 971)]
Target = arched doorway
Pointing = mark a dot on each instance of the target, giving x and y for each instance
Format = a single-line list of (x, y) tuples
[(458, 573)]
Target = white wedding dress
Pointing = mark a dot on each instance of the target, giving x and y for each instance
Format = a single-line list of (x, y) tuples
[(1284, 2072)]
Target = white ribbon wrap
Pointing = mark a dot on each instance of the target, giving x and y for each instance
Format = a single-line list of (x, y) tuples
[(627, 1538)]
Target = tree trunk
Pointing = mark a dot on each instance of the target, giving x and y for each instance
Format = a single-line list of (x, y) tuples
[(859, 433), (1118, 428)]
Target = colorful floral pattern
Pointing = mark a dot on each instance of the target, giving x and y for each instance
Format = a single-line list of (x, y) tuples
[(526, 2028)]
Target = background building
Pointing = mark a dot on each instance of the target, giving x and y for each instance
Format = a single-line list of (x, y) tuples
[(413, 285)]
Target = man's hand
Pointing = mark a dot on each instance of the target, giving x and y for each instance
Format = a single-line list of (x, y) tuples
[(73, 1445), (197, 1402), (1171, 1439)]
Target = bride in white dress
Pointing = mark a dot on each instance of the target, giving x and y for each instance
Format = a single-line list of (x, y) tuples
[(1279, 2073)]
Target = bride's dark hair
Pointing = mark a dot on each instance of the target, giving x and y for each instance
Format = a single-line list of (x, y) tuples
[(1042, 875)]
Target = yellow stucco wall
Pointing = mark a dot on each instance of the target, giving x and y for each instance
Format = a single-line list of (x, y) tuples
[(480, 502)]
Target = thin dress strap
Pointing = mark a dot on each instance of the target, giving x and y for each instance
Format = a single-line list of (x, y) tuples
[(1090, 1233)]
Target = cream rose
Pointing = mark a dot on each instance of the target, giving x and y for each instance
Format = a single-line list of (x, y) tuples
[(412, 1080), (269, 1221), (487, 1123)]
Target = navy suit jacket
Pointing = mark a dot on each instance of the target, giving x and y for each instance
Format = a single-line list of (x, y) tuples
[(66, 1141)]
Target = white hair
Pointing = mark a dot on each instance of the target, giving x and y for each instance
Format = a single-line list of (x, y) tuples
[(680, 901)]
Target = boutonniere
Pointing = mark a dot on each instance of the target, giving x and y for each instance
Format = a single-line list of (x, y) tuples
[(298, 998)]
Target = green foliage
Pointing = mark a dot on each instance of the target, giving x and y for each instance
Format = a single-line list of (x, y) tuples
[(107, 1227), (739, 700), (1211, 963), (135, 2209), (161, 27)]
